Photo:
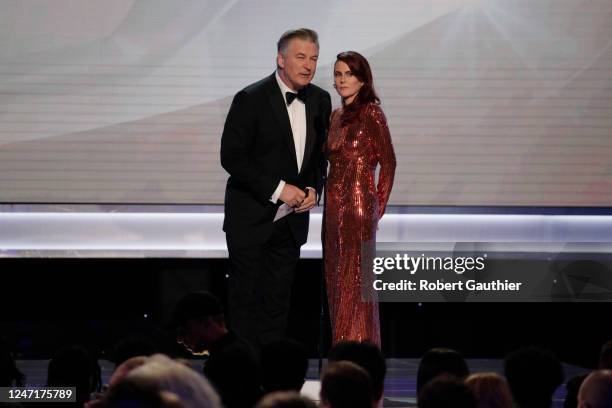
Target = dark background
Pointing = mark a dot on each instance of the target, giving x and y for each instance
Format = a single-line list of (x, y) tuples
[(47, 303)]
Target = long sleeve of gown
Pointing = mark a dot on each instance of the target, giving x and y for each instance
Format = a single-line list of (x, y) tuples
[(377, 127)]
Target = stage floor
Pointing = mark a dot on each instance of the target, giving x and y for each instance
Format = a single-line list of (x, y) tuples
[(400, 383)]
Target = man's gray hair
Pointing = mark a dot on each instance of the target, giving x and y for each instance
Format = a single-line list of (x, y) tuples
[(164, 374), (301, 33)]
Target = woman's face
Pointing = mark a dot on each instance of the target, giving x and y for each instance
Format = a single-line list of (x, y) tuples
[(347, 85)]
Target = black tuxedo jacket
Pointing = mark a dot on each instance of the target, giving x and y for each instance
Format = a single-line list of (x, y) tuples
[(257, 150)]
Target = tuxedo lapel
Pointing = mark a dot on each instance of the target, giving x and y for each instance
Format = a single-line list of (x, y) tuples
[(310, 128), (279, 107)]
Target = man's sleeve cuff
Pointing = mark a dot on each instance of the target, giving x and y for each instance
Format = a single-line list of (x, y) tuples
[(276, 194)]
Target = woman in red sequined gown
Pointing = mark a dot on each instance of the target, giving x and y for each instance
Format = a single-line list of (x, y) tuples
[(358, 142)]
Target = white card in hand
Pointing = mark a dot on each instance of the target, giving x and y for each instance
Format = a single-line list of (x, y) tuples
[(283, 211)]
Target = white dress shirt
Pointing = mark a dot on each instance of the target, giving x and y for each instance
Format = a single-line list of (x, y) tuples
[(297, 118)]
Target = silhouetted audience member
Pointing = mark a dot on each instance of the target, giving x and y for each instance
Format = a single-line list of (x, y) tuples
[(284, 365), (345, 385), (490, 389), (596, 390), (10, 376), (285, 399), (446, 391), (73, 366), (605, 357), (132, 346), (369, 357), (533, 375), (572, 387), (439, 361), (232, 367)]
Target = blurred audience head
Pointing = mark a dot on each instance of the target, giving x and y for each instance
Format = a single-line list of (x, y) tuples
[(533, 375), (490, 389), (159, 381), (199, 321), (366, 355), (74, 366), (439, 361), (446, 391), (124, 368), (285, 399), (346, 385), (132, 394), (284, 365), (596, 390), (605, 357), (10, 376)]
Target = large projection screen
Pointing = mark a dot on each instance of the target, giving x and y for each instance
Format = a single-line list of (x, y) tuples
[(492, 102)]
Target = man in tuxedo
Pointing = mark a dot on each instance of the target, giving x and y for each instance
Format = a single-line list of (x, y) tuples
[(272, 149)]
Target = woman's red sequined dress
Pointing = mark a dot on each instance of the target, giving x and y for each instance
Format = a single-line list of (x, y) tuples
[(353, 206)]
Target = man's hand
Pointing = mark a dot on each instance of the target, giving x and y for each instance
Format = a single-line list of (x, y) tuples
[(309, 201), (291, 195)]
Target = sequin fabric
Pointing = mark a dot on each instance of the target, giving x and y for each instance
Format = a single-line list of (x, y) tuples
[(353, 206)]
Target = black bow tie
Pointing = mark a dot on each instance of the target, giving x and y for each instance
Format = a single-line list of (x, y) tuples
[(301, 95)]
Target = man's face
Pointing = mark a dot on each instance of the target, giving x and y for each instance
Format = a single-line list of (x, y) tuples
[(298, 63)]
